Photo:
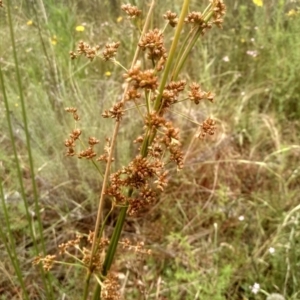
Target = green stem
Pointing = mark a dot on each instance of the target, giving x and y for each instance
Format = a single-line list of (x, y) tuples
[(45, 277), (10, 245), (181, 51), (87, 284), (187, 49), (97, 292), (147, 98), (115, 239), (112, 248)]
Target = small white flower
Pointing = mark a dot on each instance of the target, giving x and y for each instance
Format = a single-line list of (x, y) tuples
[(271, 250), (252, 53), (225, 58), (255, 288), (243, 93), (241, 218), (275, 296), (252, 40)]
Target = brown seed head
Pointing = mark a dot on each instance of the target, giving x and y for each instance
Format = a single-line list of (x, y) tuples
[(73, 110), (139, 247), (156, 149), (162, 181), (218, 11), (115, 112), (46, 261), (86, 50), (75, 134), (98, 255), (93, 141), (146, 197), (70, 244), (154, 120), (132, 94), (88, 153), (73, 55), (197, 19), (153, 41), (176, 155), (196, 94), (70, 152), (171, 93), (142, 79), (111, 287), (107, 149), (110, 50), (207, 127), (69, 143), (139, 139), (171, 17), (131, 11)]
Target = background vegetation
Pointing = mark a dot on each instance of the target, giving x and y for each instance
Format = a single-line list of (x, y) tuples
[(229, 220)]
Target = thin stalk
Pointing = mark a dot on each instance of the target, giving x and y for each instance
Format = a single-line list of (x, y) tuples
[(48, 286), (97, 167), (147, 97), (12, 250), (100, 209), (26, 130), (10, 246), (184, 116), (193, 38), (18, 167), (105, 220), (86, 285), (137, 107), (145, 144), (44, 47), (54, 65), (112, 247), (181, 51), (97, 292), (115, 239)]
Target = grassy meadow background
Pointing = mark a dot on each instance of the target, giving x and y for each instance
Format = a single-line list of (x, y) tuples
[(228, 222)]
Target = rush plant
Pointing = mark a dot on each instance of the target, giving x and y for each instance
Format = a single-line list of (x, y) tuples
[(152, 85)]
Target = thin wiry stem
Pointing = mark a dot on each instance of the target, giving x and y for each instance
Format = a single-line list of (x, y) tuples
[(10, 244), (46, 279)]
